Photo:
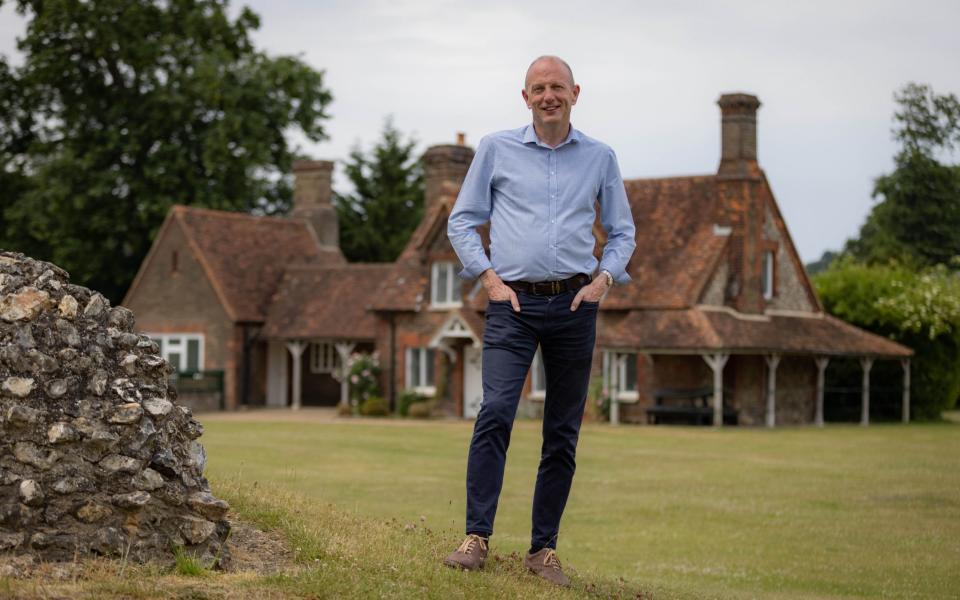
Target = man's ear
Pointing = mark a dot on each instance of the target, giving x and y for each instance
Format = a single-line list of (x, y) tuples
[(576, 93), (526, 98)]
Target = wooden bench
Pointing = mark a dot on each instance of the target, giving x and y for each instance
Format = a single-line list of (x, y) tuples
[(686, 406)]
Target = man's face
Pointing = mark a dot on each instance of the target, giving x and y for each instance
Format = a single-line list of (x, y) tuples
[(550, 93)]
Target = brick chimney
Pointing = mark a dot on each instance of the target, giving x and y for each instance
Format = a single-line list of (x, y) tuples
[(444, 168), (738, 135), (312, 196), (742, 193)]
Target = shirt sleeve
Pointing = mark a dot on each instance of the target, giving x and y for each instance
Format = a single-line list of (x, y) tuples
[(472, 209), (617, 220)]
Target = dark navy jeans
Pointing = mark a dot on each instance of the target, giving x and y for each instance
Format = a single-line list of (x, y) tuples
[(510, 341)]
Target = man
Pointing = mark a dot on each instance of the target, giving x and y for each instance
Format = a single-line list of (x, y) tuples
[(537, 186)]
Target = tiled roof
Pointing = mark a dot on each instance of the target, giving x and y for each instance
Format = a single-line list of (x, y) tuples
[(677, 248), (325, 302), (712, 329), (245, 255)]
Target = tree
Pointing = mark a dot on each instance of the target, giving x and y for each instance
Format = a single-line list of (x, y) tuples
[(377, 218), (918, 308), (918, 218), (123, 108)]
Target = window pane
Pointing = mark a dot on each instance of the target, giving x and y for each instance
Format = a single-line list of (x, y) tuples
[(630, 375), (456, 283), (174, 341), (174, 359), (440, 294), (193, 355), (429, 365), (414, 355)]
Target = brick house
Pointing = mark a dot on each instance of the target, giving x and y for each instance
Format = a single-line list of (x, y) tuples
[(720, 323)]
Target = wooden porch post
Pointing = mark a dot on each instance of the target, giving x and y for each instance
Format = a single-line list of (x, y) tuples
[(822, 362), (717, 362), (773, 360), (866, 363), (343, 350), (615, 389), (296, 349), (905, 363)]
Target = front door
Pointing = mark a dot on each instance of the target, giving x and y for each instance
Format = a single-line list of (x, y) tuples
[(472, 381)]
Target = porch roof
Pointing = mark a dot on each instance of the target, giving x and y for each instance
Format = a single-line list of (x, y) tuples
[(710, 329)]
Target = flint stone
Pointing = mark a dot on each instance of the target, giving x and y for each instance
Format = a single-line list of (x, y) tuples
[(165, 462), (71, 485), (10, 514), (196, 531), (62, 432), (9, 541), (127, 340), (62, 541), (198, 456), (23, 305), (29, 454), (40, 362), (121, 318), (98, 383), (158, 407), (24, 337), (131, 500), (109, 541), (147, 480), (91, 512), (18, 387), (116, 463), (127, 413), (22, 416), (69, 333), (30, 493), (129, 364), (95, 307), (68, 306), (58, 387), (208, 506)]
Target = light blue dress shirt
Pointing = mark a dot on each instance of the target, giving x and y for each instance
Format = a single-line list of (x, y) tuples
[(540, 204)]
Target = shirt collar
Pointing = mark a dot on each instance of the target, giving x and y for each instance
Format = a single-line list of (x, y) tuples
[(530, 136)]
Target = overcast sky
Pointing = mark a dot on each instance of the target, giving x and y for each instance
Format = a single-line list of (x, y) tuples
[(650, 72)]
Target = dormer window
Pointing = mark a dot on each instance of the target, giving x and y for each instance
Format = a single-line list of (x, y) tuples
[(767, 270), (445, 288)]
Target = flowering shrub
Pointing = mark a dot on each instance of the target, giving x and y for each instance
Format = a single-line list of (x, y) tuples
[(363, 372)]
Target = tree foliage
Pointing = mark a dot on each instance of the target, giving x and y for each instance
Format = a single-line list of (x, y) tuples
[(377, 218), (918, 217), (918, 308), (123, 108)]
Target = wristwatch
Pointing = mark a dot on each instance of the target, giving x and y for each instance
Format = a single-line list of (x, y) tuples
[(609, 277)]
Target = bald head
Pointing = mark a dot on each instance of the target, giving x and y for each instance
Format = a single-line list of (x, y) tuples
[(550, 58)]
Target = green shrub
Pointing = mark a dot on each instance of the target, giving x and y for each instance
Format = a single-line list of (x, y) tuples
[(405, 399), (420, 410), (344, 410), (374, 406)]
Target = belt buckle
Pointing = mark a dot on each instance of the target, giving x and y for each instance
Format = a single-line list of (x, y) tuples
[(554, 288)]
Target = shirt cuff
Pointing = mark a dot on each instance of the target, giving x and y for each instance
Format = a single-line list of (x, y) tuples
[(620, 275), (475, 268)]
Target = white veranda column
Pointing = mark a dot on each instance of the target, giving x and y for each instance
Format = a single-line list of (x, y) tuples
[(717, 362), (905, 363), (296, 349), (343, 351), (867, 364), (615, 388), (773, 360), (822, 362)]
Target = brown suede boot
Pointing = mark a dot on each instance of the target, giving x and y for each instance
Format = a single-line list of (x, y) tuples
[(545, 563), (470, 556)]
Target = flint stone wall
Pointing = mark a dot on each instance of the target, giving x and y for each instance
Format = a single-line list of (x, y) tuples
[(96, 455)]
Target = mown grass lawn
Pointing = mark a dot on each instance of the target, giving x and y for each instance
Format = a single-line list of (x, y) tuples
[(843, 511)]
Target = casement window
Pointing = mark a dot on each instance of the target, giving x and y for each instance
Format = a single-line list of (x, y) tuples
[(538, 377), (184, 351), (625, 367), (420, 370), (766, 275), (324, 358), (445, 287)]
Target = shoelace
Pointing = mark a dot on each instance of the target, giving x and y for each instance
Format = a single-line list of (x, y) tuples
[(470, 543), (551, 560)]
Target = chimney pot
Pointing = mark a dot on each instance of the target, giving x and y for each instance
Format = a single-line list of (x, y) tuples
[(444, 168), (461, 138), (738, 136), (312, 199)]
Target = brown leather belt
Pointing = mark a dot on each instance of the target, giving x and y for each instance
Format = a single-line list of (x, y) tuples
[(550, 288)]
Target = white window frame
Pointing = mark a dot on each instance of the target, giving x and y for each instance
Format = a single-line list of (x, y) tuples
[(767, 275), (453, 284), (324, 357), (624, 393), (165, 341), (411, 381), (538, 389)]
